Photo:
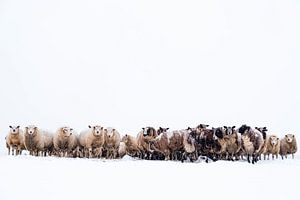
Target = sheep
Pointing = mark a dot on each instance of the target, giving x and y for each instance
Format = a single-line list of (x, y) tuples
[(205, 141), (288, 145), (271, 146), (143, 139), (15, 140), (263, 131), (220, 143), (176, 144), (91, 141), (160, 145), (112, 142), (233, 142), (65, 141), (122, 150), (189, 147), (252, 142), (132, 148), (37, 141)]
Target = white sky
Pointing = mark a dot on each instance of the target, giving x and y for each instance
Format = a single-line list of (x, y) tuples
[(129, 64)]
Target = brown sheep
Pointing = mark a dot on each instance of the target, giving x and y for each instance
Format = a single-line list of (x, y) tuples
[(143, 139), (220, 143), (189, 146), (37, 141), (91, 141), (160, 144), (176, 144), (112, 142), (288, 145), (272, 146), (233, 142), (131, 143), (65, 141), (122, 150), (15, 140)]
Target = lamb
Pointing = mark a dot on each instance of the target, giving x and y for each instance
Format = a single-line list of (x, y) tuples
[(65, 141), (271, 146), (131, 143), (112, 142), (288, 145), (37, 141), (91, 141), (252, 142), (15, 140)]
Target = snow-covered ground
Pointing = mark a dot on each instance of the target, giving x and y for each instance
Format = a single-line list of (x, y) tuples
[(26, 177)]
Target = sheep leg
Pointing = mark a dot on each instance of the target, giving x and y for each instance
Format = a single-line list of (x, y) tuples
[(292, 155), (8, 148)]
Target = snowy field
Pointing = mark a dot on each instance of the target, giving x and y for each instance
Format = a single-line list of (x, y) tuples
[(26, 177)]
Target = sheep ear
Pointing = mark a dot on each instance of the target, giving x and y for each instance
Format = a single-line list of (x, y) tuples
[(10, 126), (114, 130), (225, 127), (71, 129), (293, 136), (18, 126), (125, 135), (233, 127), (89, 126), (102, 128), (285, 136), (167, 128)]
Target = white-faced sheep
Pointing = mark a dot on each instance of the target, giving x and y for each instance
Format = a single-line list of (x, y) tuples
[(271, 146), (176, 144), (288, 145), (65, 141), (112, 142), (91, 141), (37, 141), (15, 140)]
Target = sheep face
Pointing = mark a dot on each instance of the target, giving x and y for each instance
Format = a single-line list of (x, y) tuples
[(31, 130), (97, 130), (289, 138), (67, 131), (14, 129), (218, 133), (109, 132), (202, 126), (243, 129), (229, 130), (162, 130), (274, 140), (148, 131)]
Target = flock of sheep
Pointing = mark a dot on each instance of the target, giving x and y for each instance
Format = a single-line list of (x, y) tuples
[(223, 143)]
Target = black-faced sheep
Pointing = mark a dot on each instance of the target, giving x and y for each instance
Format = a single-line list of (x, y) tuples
[(189, 146), (233, 142), (252, 142), (288, 145), (91, 141), (15, 140)]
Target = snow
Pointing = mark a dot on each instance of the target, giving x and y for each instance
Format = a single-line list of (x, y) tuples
[(27, 177)]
